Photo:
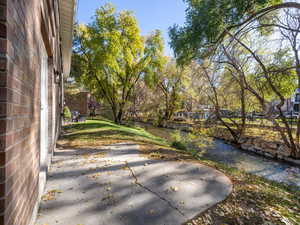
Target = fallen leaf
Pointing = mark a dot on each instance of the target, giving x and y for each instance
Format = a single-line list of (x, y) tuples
[(174, 188), (151, 211), (50, 195)]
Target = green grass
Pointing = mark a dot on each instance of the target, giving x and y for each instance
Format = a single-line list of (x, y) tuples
[(96, 132)]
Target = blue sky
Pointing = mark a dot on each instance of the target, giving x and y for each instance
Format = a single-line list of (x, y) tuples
[(151, 14)]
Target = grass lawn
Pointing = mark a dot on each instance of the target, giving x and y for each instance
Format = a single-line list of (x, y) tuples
[(254, 200), (100, 132)]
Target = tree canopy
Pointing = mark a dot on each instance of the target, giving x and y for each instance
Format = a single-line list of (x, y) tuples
[(207, 22), (110, 56)]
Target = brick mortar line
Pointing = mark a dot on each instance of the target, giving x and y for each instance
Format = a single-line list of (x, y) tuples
[(16, 171), (18, 90), (16, 104), (19, 201), (8, 163), (19, 142), (30, 82), (18, 130), (18, 188), (22, 116)]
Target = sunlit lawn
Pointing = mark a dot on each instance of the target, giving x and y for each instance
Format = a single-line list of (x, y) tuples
[(99, 132)]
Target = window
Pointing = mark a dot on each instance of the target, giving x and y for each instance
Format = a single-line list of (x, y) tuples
[(296, 107), (297, 98)]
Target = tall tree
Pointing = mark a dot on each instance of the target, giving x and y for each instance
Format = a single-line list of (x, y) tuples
[(211, 23), (111, 56), (208, 21), (172, 81)]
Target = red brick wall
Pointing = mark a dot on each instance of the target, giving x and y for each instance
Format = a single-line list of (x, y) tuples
[(21, 35), (78, 102)]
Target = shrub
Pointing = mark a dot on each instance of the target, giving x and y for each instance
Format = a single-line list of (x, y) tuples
[(67, 113), (179, 145), (178, 141), (194, 142)]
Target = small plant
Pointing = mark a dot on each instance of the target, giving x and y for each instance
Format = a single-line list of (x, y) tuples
[(178, 141), (67, 113), (195, 142), (179, 145)]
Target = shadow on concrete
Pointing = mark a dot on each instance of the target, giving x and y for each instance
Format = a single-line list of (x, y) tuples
[(123, 188)]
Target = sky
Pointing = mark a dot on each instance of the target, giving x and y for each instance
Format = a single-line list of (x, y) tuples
[(151, 14)]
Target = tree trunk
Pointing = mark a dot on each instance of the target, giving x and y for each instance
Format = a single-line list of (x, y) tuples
[(296, 152), (287, 135), (120, 116)]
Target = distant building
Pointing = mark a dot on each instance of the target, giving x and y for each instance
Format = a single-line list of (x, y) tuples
[(295, 101), (291, 104), (202, 112), (78, 102)]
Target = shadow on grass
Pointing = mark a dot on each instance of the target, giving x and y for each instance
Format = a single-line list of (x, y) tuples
[(90, 124), (98, 130)]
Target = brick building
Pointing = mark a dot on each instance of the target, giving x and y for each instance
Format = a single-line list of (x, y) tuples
[(78, 102), (35, 51)]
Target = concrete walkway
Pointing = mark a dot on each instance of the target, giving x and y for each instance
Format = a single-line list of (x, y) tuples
[(117, 186)]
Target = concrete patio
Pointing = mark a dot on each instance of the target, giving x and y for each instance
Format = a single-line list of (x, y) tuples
[(115, 185)]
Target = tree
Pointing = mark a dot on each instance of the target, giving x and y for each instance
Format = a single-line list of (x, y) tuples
[(228, 25), (208, 21), (289, 26), (271, 78), (225, 91), (172, 81), (111, 56)]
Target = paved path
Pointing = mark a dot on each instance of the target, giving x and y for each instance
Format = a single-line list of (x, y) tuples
[(117, 186)]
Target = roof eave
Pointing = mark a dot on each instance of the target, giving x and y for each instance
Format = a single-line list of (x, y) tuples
[(67, 11)]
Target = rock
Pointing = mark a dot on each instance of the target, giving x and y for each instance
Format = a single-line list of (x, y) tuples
[(270, 145), (269, 155), (283, 150), (246, 146), (259, 144), (279, 156), (270, 150), (243, 140)]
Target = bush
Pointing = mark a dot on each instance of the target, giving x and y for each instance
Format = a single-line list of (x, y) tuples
[(67, 113), (194, 142), (178, 141), (179, 145)]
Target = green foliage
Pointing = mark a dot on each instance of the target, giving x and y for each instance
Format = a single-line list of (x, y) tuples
[(172, 81), (67, 113), (205, 22), (178, 141), (284, 80), (193, 142), (111, 56), (179, 145)]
